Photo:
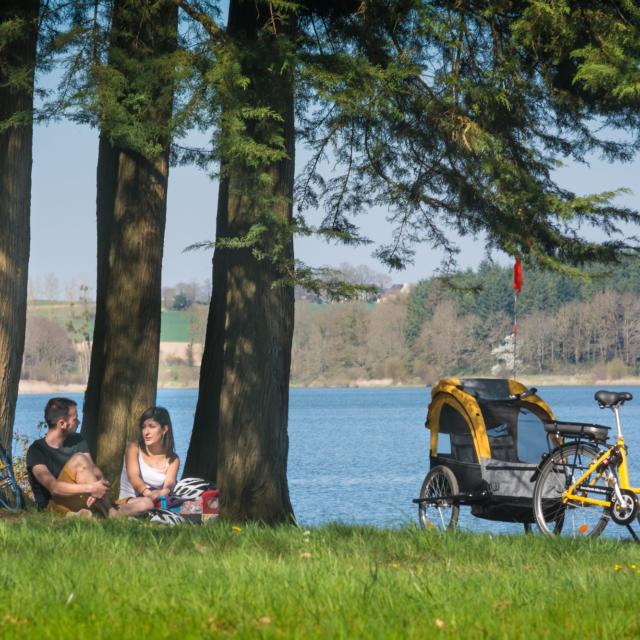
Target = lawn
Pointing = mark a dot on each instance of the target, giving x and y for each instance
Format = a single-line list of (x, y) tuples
[(66, 578)]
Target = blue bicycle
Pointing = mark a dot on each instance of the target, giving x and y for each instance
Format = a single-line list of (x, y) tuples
[(10, 494)]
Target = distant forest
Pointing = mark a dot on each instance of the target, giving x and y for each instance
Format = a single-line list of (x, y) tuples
[(458, 325), (463, 325)]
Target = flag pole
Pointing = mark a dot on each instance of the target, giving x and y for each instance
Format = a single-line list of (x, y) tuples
[(515, 331), (517, 287)]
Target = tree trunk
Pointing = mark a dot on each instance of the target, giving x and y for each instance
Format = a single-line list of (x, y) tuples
[(106, 180), (240, 431), (15, 201), (131, 215)]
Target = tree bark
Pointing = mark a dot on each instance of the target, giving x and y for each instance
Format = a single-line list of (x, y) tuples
[(131, 215), (106, 180), (240, 437), (15, 202)]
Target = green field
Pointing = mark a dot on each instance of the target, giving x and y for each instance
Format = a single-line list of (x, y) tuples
[(65, 578), (175, 327)]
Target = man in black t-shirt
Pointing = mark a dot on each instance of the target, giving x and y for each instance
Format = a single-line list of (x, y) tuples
[(54, 460), (62, 473)]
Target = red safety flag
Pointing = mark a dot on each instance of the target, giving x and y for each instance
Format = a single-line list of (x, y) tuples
[(517, 276)]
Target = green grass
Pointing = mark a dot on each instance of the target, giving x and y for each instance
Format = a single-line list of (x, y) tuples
[(66, 578)]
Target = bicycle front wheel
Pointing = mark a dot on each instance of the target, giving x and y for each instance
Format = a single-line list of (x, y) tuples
[(559, 472)]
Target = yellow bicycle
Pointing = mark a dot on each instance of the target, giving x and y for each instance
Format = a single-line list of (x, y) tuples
[(10, 494), (581, 485)]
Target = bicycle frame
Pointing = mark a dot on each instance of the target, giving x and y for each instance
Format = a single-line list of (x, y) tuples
[(618, 483), (7, 478), (4, 463)]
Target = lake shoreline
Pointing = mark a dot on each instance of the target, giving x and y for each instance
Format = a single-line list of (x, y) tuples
[(42, 387)]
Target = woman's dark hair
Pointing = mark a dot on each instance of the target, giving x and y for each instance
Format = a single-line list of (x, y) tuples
[(161, 416)]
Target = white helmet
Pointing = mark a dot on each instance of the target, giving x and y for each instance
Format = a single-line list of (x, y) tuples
[(164, 516), (190, 488)]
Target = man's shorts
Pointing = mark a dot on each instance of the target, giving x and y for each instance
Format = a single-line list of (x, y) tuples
[(64, 504)]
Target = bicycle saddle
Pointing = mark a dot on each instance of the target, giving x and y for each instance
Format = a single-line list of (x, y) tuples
[(612, 398)]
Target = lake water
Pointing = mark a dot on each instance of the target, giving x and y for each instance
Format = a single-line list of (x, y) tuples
[(360, 455)]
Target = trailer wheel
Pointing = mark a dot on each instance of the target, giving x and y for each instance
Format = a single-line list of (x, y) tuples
[(440, 512)]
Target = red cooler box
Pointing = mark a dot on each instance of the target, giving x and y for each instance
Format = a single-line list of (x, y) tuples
[(210, 505)]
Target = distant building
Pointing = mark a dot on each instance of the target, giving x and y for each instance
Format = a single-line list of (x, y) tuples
[(302, 295), (394, 290)]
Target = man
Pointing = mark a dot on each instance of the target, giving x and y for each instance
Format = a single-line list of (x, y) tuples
[(62, 473)]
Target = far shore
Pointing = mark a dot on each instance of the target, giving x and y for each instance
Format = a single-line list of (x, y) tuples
[(40, 386)]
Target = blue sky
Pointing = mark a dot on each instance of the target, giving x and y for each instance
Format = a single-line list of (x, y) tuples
[(63, 215)]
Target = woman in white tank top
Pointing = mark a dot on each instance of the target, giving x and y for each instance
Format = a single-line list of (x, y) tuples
[(150, 464)]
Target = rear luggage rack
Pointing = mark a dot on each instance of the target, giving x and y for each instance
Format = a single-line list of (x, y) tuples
[(596, 432)]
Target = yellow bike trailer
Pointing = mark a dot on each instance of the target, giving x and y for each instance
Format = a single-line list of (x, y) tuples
[(487, 438)]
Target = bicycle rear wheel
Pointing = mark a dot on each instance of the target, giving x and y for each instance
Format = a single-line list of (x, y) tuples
[(10, 494), (575, 519)]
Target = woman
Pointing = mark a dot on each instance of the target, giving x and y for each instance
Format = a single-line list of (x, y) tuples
[(150, 464)]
